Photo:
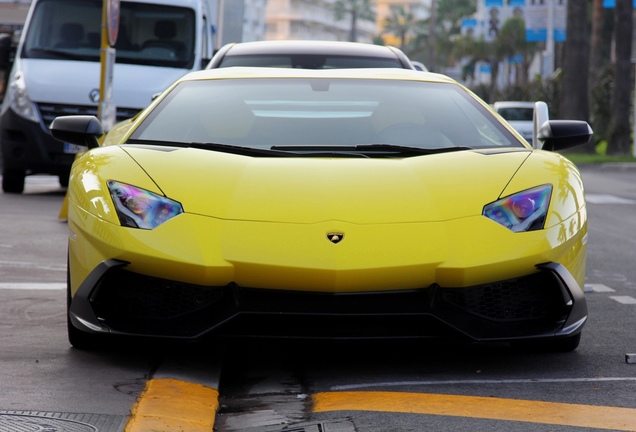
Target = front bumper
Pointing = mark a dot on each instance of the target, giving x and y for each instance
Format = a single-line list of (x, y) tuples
[(548, 303)]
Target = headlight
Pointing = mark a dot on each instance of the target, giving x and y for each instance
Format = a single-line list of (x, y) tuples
[(19, 98), (524, 211), (139, 208)]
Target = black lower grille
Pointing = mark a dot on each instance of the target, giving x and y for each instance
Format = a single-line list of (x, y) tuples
[(128, 302), (131, 302), (530, 297)]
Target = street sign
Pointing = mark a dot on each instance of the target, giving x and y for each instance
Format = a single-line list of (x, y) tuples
[(112, 20)]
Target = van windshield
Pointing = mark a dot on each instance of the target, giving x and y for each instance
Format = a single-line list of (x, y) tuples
[(149, 34)]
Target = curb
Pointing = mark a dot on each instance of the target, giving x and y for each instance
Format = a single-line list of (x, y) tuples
[(168, 405), (180, 397)]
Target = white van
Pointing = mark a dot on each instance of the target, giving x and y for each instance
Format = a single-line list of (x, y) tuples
[(57, 72)]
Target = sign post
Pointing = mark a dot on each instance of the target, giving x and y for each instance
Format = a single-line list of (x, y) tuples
[(107, 111)]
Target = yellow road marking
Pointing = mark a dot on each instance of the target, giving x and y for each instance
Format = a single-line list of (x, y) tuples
[(590, 416), (168, 405)]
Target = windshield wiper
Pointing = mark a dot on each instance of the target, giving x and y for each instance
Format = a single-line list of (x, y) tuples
[(225, 148), (372, 149), (407, 150), (249, 151)]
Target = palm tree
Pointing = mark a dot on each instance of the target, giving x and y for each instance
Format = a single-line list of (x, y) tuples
[(356, 9), (575, 94), (512, 43), (601, 69), (434, 35), (401, 23), (619, 131)]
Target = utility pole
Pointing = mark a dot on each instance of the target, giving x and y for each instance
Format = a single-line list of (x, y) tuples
[(432, 37), (549, 43)]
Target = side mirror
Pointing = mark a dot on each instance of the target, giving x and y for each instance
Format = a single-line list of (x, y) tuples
[(83, 130), (562, 134)]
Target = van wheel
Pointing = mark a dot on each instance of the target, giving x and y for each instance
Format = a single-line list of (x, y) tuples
[(13, 180), (63, 179)]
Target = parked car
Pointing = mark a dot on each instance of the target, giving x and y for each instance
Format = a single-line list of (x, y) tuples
[(309, 55), (324, 203), (519, 115)]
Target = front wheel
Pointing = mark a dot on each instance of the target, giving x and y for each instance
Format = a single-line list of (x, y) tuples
[(13, 180)]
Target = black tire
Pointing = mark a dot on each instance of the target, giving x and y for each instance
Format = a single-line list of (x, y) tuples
[(13, 180), (63, 179)]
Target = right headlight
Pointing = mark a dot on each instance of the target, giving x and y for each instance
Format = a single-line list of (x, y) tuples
[(139, 208), (523, 211), (18, 98)]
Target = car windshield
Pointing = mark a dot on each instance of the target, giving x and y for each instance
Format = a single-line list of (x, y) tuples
[(309, 61), (274, 113), (149, 34)]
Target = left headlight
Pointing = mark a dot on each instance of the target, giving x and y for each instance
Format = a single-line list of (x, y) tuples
[(18, 98), (523, 211), (139, 208)]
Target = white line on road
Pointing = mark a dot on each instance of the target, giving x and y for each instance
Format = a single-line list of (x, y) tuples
[(607, 199), (624, 299), (482, 382), (22, 264), (598, 288), (32, 286)]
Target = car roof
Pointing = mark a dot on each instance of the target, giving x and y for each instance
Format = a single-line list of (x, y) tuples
[(240, 72), (310, 47)]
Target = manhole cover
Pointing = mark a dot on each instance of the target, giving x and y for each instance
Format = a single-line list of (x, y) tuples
[(58, 422)]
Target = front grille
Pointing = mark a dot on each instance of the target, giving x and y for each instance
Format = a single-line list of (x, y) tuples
[(131, 302), (530, 297), (128, 302), (50, 111)]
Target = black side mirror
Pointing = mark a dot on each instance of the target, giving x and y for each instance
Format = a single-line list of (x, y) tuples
[(82, 130), (562, 134)]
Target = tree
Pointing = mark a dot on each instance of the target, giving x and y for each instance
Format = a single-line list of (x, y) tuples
[(600, 74), (512, 43), (619, 131), (401, 23), (435, 35), (356, 9), (432, 36), (600, 43), (475, 50), (575, 93)]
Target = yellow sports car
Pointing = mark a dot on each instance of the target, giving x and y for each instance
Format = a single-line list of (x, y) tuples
[(315, 203)]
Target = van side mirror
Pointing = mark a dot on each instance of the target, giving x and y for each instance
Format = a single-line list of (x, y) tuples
[(83, 130)]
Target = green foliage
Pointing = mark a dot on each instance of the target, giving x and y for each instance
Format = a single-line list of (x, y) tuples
[(601, 94), (585, 158)]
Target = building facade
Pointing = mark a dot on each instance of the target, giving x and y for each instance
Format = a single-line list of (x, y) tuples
[(312, 20)]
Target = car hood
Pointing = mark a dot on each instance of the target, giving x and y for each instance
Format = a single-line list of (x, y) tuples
[(312, 190)]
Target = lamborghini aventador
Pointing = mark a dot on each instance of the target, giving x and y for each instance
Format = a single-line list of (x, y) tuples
[(324, 203)]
